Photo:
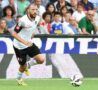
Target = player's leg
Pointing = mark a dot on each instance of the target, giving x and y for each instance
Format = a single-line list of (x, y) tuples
[(31, 62), (39, 58), (19, 75), (36, 56), (21, 57)]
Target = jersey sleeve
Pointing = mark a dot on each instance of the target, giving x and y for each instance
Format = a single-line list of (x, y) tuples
[(19, 26)]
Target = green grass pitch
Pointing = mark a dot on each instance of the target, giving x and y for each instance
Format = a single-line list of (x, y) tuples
[(49, 84)]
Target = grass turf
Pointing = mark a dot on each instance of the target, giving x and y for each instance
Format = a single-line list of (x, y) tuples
[(48, 84)]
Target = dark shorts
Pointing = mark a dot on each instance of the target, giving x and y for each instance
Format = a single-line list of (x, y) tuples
[(22, 54)]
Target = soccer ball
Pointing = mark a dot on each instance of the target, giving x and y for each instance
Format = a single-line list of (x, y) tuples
[(76, 80), (76, 83)]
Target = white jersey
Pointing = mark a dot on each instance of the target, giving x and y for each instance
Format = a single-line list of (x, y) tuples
[(28, 27)]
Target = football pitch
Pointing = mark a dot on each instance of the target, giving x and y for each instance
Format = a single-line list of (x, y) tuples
[(49, 84)]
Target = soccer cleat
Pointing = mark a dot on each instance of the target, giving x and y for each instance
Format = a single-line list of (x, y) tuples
[(27, 71), (21, 82)]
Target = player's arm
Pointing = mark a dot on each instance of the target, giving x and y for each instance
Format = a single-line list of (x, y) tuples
[(16, 36), (14, 33)]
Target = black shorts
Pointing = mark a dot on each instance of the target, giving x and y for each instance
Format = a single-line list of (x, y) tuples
[(21, 54)]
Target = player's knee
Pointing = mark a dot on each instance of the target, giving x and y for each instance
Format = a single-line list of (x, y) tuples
[(22, 68), (22, 62), (40, 61)]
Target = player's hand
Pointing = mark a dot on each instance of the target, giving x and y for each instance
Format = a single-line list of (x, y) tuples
[(29, 44)]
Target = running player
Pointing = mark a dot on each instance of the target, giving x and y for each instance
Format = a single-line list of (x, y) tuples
[(23, 33)]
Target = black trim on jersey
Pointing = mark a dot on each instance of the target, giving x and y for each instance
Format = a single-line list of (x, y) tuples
[(18, 28)]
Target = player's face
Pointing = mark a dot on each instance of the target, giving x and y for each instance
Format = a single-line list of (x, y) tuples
[(33, 11)]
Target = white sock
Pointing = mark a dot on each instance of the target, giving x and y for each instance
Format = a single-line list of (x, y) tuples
[(19, 75), (31, 63)]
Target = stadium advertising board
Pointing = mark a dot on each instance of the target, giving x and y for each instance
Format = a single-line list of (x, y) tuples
[(56, 45), (78, 55)]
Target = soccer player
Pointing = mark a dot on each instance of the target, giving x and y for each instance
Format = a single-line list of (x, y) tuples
[(23, 33)]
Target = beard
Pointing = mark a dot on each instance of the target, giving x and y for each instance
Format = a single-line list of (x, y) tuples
[(33, 15)]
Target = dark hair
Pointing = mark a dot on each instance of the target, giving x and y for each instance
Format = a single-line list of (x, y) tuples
[(48, 5), (18, 16), (62, 9), (8, 7), (2, 19), (45, 14), (80, 4), (57, 13)]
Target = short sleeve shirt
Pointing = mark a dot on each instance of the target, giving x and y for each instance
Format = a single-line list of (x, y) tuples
[(84, 23)]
